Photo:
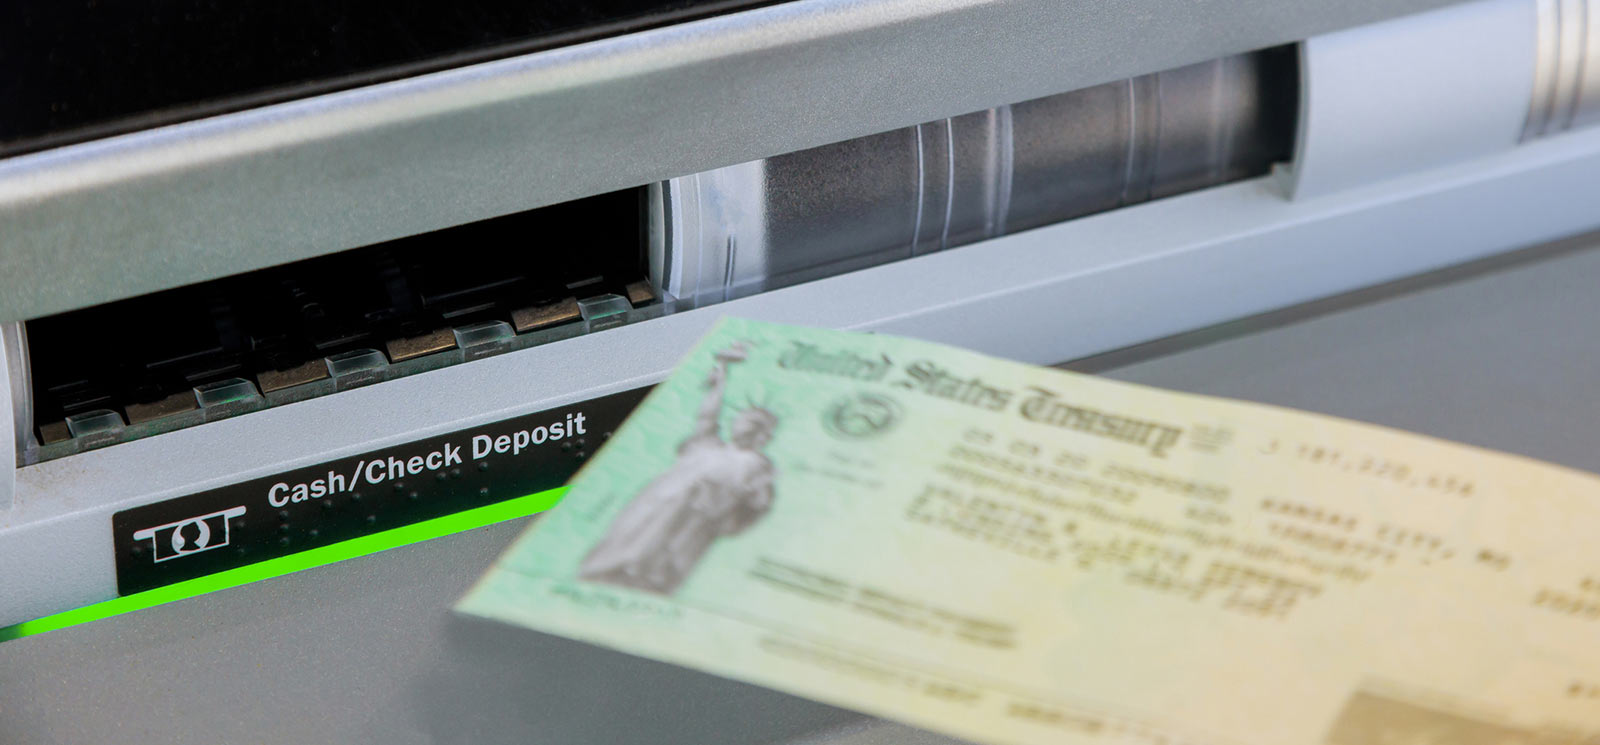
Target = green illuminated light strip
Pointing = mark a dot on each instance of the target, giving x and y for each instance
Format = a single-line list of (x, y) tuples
[(368, 544)]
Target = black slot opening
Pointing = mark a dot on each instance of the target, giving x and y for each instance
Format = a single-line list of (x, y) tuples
[(143, 350)]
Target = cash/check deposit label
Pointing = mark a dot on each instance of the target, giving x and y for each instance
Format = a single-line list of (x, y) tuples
[(211, 531)]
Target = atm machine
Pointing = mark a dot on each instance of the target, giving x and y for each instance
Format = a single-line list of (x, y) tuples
[(269, 269)]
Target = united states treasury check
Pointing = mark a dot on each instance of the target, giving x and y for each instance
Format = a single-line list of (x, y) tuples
[(1014, 554)]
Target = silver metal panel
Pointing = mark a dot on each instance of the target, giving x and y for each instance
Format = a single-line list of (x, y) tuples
[(366, 651), (1413, 93), (1111, 279), (14, 403), (129, 215)]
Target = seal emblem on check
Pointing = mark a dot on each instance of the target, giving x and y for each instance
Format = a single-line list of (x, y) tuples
[(861, 416)]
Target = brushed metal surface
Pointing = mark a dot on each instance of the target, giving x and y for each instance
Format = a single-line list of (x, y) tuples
[(129, 215)]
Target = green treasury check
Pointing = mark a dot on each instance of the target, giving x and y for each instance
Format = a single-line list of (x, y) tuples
[(1013, 554)]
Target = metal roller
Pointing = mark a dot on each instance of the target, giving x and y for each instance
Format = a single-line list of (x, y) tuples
[(1566, 74), (818, 212)]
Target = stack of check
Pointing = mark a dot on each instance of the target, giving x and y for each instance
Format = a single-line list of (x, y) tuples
[(1012, 554)]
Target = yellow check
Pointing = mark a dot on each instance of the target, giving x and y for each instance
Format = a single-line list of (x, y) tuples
[(1020, 555)]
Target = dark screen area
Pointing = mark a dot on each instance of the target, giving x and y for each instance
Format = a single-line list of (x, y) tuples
[(78, 69)]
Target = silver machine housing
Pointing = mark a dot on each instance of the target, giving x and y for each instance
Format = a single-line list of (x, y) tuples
[(1092, 183)]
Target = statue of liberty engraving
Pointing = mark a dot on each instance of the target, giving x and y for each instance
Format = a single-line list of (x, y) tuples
[(714, 488)]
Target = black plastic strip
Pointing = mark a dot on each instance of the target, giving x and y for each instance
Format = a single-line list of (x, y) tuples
[(265, 518)]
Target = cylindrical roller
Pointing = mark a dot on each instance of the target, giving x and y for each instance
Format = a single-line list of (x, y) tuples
[(1566, 74), (907, 192)]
